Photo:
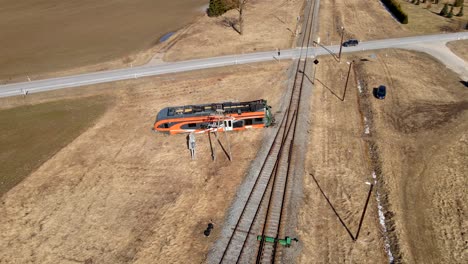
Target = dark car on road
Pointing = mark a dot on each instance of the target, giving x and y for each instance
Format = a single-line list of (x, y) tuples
[(350, 43), (381, 92)]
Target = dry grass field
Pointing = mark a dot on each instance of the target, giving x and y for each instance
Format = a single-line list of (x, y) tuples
[(120, 193), (268, 25), (31, 134), (425, 18), (460, 48), (40, 37), (413, 164), (360, 20), (367, 20), (420, 130), (117, 192), (337, 163)]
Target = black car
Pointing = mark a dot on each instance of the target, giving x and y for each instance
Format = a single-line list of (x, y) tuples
[(350, 43), (381, 92)]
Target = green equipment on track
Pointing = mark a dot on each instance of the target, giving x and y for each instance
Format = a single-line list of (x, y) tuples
[(285, 242)]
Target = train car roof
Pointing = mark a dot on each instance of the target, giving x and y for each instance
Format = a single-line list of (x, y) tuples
[(209, 109)]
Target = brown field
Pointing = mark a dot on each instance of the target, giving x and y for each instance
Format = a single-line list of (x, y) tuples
[(337, 157), (31, 134), (360, 20), (37, 43), (460, 48), (121, 193), (268, 25), (51, 36), (425, 18), (420, 131)]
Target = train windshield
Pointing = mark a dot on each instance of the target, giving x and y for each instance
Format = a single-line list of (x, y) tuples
[(268, 115)]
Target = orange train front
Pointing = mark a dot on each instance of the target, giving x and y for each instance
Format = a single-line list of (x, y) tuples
[(213, 117)]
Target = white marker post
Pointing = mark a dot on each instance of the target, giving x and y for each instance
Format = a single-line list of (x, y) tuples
[(192, 145)]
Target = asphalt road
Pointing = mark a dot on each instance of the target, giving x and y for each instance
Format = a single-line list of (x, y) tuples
[(173, 67)]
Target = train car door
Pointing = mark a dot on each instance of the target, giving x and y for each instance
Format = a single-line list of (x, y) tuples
[(227, 125)]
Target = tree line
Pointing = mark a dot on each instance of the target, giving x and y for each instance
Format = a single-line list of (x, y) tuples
[(449, 13), (445, 10)]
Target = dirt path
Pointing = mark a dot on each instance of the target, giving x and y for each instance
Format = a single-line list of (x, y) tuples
[(120, 193)]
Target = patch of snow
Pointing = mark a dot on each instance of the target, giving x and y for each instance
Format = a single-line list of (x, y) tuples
[(367, 128), (367, 131), (391, 259)]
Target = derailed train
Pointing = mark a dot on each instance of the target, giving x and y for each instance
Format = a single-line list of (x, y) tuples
[(202, 118)]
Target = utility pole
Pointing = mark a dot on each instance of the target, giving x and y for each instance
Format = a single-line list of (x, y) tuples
[(228, 145), (341, 43), (347, 78), (364, 211)]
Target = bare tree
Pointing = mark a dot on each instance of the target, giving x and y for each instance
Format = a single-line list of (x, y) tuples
[(241, 5)]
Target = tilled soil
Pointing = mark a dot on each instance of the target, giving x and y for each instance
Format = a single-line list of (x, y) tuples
[(120, 193)]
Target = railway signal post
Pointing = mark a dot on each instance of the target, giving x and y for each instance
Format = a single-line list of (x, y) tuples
[(316, 62)]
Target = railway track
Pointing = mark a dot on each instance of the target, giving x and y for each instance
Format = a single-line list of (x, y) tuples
[(264, 212)]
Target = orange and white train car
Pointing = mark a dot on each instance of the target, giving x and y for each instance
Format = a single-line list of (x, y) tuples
[(202, 118)]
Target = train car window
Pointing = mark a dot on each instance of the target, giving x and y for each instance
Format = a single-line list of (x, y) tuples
[(197, 108), (192, 125), (258, 120), (248, 122), (179, 111), (230, 123), (238, 124), (165, 125)]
